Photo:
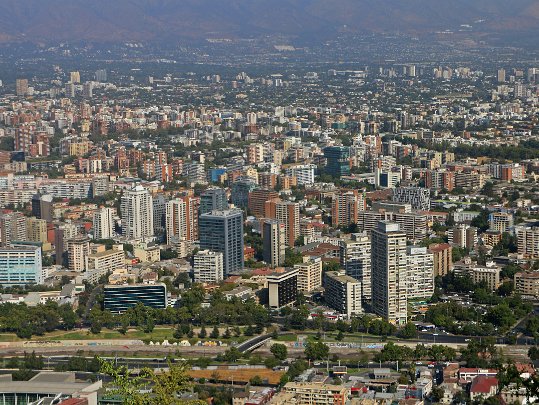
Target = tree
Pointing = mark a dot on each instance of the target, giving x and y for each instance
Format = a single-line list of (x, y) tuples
[(202, 334), (279, 351), (408, 332), (316, 351), (340, 336), (232, 354), (256, 380), (214, 333)]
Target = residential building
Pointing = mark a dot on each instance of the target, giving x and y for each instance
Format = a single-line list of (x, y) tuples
[(274, 240), (104, 223), (463, 236), (287, 212), (356, 260), (420, 276), (119, 298), (208, 267), (182, 219), (527, 284), (240, 191), (389, 272), (528, 241), (12, 228), (282, 288), (100, 263), (442, 258), (137, 215), (304, 174), (222, 231), (78, 248), (343, 293), (500, 221), (36, 230), (346, 206), (319, 394), (257, 202), (309, 274)]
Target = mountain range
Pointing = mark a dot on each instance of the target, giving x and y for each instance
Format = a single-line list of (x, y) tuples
[(159, 20)]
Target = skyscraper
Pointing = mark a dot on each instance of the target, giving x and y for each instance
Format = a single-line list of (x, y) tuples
[(338, 160), (21, 87), (389, 272), (101, 75), (288, 213), (213, 199), (104, 223), (137, 216), (343, 293), (182, 219), (356, 260), (273, 235), (222, 231), (42, 206)]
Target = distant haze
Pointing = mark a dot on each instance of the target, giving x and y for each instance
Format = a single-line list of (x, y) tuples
[(140, 20)]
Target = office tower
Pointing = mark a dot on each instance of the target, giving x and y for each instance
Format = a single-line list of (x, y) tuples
[(101, 75), (389, 272), (273, 236), (257, 202), (420, 272), (417, 197), (501, 75), (12, 228), (240, 191), (36, 230), (338, 160), (343, 293), (78, 248), (21, 87), (119, 298), (346, 207), (443, 258), (356, 260), (222, 231), (159, 214), (42, 206), (62, 234), (213, 199), (387, 179), (104, 223), (88, 90), (70, 90), (282, 288), (309, 274), (182, 219), (137, 216), (288, 213), (20, 265), (208, 267)]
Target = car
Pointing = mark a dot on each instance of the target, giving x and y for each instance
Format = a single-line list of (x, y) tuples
[(467, 340)]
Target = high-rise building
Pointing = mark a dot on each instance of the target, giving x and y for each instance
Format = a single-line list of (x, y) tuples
[(420, 272), (222, 231), (463, 235), (208, 267), (104, 223), (346, 207), (282, 288), (356, 260), (273, 236), (74, 77), (62, 234), (287, 212), (20, 265), (42, 206), (343, 293), (78, 249), (500, 221), (443, 258), (389, 272), (137, 216), (119, 298), (70, 90), (12, 228), (21, 87), (309, 274), (501, 75), (101, 75), (182, 219), (213, 199), (36, 230), (240, 191), (528, 241), (88, 90), (98, 264), (159, 214), (338, 160), (257, 202)]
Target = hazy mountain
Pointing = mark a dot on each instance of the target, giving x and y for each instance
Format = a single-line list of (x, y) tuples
[(115, 20)]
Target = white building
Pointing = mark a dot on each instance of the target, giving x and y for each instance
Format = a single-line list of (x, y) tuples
[(420, 272), (304, 174), (104, 223), (208, 267), (137, 215), (356, 260)]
